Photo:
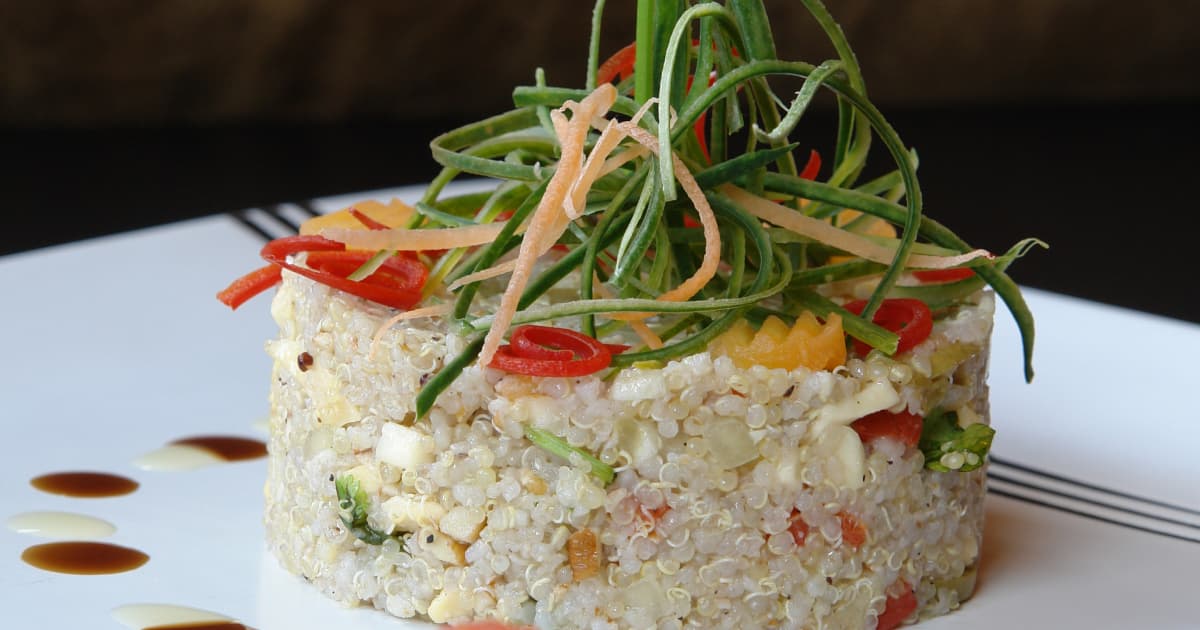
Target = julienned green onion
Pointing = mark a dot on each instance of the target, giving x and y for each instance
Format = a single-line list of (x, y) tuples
[(557, 446), (637, 237)]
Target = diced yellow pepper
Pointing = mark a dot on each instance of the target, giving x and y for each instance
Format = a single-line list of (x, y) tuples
[(395, 213), (873, 227), (807, 343)]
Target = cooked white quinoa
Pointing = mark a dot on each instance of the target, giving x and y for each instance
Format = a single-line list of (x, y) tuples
[(729, 453)]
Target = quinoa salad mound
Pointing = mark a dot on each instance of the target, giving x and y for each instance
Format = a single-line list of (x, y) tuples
[(741, 499), (674, 369)]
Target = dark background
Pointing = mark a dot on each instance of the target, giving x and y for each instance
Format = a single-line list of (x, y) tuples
[(1070, 120)]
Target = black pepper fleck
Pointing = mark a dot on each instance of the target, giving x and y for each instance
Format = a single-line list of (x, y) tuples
[(828, 580), (424, 379), (305, 361), (429, 539), (789, 392), (331, 476)]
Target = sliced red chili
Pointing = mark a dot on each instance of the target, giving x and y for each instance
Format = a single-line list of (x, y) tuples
[(368, 222), (618, 66), (548, 351), (898, 607), (812, 167), (936, 276), (903, 427), (909, 318), (249, 286), (397, 283)]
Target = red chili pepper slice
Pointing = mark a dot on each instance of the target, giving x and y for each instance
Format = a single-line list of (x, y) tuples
[(397, 283), (618, 66), (548, 351), (812, 167), (249, 286), (936, 276), (907, 317), (898, 607), (368, 222), (903, 427), (616, 348)]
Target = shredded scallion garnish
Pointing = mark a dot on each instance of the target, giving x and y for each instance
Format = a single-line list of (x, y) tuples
[(630, 222)]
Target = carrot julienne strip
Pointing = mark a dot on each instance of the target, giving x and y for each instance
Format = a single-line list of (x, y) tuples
[(708, 220), (402, 239), (846, 241), (546, 220)]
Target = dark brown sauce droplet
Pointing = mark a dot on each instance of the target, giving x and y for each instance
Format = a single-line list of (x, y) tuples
[(204, 625), (84, 484), (84, 558), (228, 448)]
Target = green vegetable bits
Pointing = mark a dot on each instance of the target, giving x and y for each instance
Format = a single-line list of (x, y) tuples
[(949, 447)]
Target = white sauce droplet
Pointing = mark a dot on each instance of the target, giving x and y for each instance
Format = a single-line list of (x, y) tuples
[(176, 457), (62, 525), (140, 616)]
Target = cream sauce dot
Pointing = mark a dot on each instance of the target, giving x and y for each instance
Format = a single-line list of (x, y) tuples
[(62, 525)]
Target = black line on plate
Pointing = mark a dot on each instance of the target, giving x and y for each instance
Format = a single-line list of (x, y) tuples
[(252, 226), (992, 474), (274, 211), (308, 207), (1089, 486), (1111, 521)]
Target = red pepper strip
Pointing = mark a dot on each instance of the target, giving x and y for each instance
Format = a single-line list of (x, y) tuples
[(618, 66), (907, 317), (547, 351), (616, 348), (903, 427), (897, 608), (812, 167), (698, 127), (249, 286), (397, 283), (936, 276)]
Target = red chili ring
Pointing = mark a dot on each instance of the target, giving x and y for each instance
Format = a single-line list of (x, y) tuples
[(909, 318), (548, 351)]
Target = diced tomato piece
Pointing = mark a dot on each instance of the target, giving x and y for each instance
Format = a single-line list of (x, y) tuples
[(854, 533), (798, 528), (898, 608), (904, 427)]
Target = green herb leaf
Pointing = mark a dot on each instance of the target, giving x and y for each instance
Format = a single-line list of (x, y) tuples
[(942, 436), (352, 507)]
